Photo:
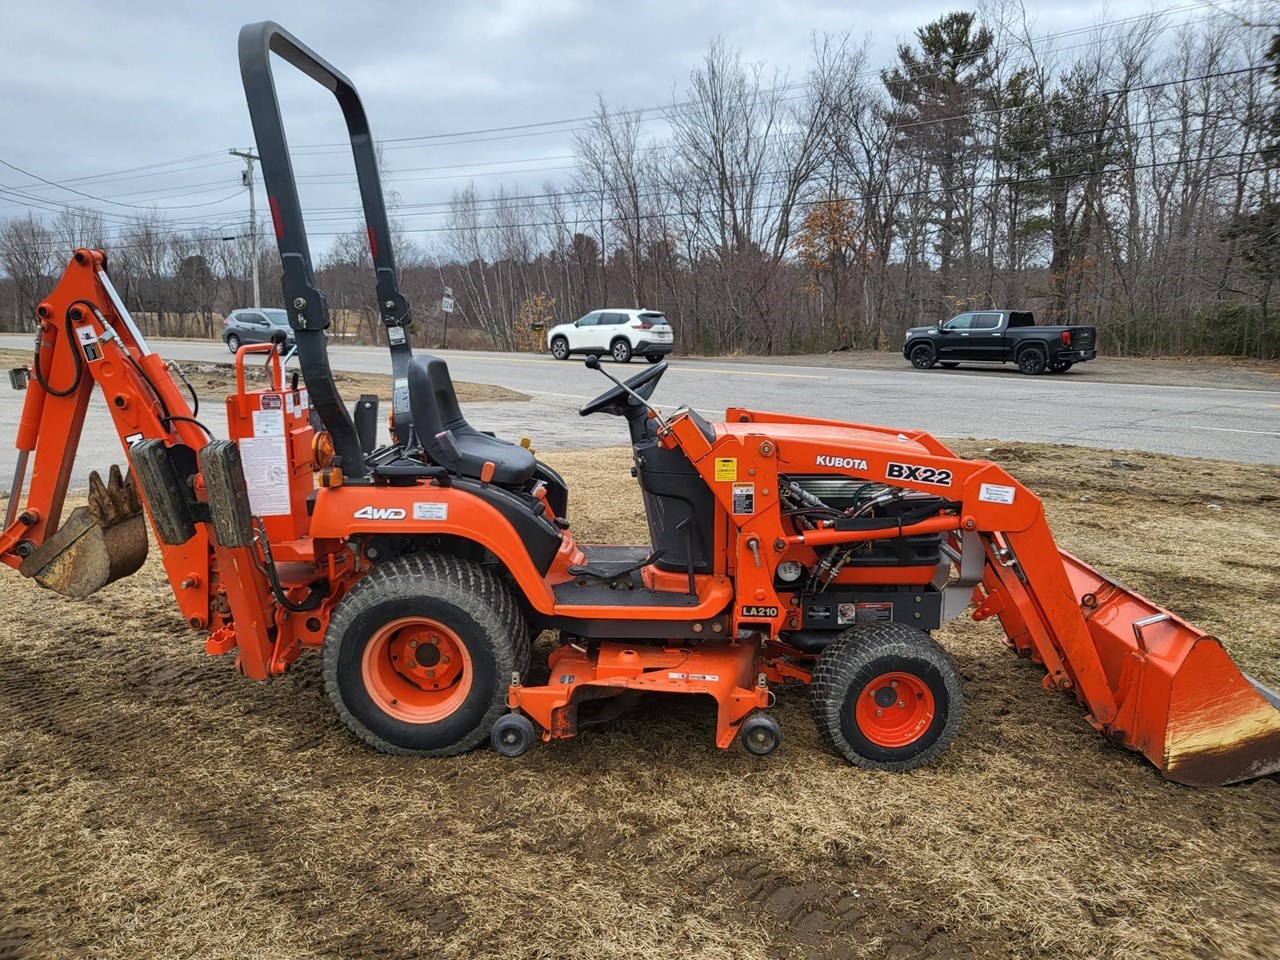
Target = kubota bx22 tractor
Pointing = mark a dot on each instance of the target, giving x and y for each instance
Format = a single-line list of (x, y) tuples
[(782, 549)]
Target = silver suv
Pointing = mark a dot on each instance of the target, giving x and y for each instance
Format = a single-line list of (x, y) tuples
[(255, 326)]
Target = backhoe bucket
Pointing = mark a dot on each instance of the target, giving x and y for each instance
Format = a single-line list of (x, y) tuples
[(1175, 695), (98, 544)]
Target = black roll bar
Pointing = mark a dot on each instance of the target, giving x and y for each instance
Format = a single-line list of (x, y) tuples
[(305, 302)]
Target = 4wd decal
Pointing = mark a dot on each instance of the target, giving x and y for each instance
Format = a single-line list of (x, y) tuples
[(843, 463), (380, 513), (916, 474), (764, 613)]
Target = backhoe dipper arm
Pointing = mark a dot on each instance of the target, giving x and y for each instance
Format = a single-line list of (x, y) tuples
[(306, 304)]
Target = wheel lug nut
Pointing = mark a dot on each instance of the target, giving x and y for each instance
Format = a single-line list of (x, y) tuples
[(901, 704), (894, 684), (413, 643), (444, 659), (879, 713)]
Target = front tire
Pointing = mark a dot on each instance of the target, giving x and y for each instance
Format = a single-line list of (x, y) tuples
[(560, 348), (418, 656), (1031, 362), (233, 343), (886, 697), (922, 356), (620, 350)]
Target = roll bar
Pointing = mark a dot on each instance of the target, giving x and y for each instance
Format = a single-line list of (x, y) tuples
[(305, 302)]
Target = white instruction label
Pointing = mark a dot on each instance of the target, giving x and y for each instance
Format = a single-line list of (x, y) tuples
[(431, 511), (266, 472), (994, 493), (269, 423), (395, 334)]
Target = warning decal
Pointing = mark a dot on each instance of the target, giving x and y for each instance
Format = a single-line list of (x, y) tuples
[(726, 469), (744, 499)]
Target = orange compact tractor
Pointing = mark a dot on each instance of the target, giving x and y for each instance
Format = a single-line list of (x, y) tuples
[(782, 549)]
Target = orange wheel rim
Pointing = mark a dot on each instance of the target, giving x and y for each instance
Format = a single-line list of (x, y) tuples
[(417, 670), (895, 709)]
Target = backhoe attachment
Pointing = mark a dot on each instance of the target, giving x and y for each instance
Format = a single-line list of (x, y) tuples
[(97, 545)]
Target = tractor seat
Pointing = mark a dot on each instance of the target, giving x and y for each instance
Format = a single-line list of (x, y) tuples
[(435, 410)]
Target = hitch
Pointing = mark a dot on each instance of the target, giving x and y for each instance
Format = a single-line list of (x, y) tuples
[(99, 544)]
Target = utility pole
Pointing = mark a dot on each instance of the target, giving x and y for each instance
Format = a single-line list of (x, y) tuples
[(247, 179)]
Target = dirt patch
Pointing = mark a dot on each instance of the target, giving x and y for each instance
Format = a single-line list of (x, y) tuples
[(1235, 373), (154, 804), (218, 379)]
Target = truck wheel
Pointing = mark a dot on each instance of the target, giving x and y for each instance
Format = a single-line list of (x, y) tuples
[(560, 348), (1061, 366), (1031, 361), (885, 696), (620, 350), (418, 656), (922, 356)]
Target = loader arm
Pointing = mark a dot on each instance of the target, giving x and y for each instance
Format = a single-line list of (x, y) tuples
[(1148, 679)]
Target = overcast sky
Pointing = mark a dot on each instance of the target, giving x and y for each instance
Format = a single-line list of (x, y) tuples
[(100, 89)]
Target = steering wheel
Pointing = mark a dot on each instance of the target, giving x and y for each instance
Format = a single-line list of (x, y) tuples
[(617, 401)]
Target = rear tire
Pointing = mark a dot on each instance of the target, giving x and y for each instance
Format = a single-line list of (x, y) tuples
[(419, 654), (923, 356), (560, 348), (1061, 366), (653, 357), (233, 343), (886, 696), (1031, 361), (620, 350)]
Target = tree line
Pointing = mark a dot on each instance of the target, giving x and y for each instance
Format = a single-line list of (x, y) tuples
[(1122, 176)]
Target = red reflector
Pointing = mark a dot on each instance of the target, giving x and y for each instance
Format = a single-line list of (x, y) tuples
[(373, 243), (1066, 338), (275, 217)]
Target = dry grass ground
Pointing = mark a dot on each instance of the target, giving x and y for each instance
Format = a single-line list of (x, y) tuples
[(218, 379), (154, 804)]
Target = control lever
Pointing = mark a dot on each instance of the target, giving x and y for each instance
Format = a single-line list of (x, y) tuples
[(593, 363)]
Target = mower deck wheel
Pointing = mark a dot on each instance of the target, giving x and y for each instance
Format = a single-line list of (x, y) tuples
[(886, 696), (513, 735), (760, 734), (419, 654)]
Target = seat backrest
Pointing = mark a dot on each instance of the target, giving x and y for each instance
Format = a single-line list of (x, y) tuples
[(435, 406)]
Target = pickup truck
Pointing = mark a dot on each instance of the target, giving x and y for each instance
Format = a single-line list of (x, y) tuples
[(1000, 336)]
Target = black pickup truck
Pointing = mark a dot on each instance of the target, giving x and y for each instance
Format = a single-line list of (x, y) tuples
[(1000, 336)]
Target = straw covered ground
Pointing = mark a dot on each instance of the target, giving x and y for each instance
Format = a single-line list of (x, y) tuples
[(154, 804)]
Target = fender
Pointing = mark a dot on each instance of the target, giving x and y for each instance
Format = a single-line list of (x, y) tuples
[(351, 510)]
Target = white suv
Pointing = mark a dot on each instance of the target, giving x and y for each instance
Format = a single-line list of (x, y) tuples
[(621, 334)]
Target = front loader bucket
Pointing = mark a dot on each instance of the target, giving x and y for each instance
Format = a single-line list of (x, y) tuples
[(99, 543), (1179, 698)]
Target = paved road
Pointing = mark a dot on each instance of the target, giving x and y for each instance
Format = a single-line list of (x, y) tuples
[(1225, 424)]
